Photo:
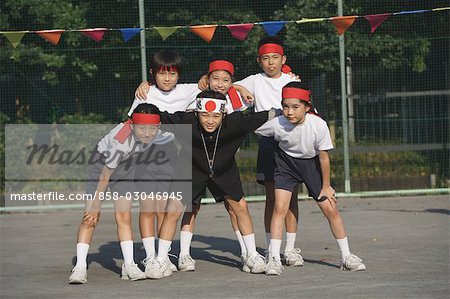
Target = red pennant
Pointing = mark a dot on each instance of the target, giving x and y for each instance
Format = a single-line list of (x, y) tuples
[(206, 32), (96, 33), (52, 36), (240, 31), (376, 20), (343, 23)]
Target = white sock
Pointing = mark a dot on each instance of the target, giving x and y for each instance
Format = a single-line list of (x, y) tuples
[(241, 243), (275, 246), (343, 247), (163, 248), (290, 241), (185, 242), (250, 244), (127, 252), (268, 237), (149, 246), (82, 252)]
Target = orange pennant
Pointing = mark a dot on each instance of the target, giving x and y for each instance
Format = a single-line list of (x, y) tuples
[(52, 36), (343, 23), (206, 32)]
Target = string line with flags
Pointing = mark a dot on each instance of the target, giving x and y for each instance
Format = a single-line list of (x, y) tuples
[(207, 31)]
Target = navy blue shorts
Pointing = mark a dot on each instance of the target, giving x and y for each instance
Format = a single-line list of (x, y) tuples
[(291, 171), (266, 160)]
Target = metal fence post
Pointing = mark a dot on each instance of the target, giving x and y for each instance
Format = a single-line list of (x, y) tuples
[(143, 46), (347, 188)]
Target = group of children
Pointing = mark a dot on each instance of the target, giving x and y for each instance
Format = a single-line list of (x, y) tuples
[(293, 149)]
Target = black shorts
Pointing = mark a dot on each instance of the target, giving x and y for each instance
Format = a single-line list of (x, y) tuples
[(266, 160), (291, 171), (227, 185)]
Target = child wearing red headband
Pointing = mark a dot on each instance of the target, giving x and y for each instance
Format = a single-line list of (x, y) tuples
[(304, 141), (116, 167), (266, 88)]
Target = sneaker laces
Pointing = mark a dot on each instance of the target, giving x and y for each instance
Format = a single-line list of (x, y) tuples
[(171, 254), (147, 260)]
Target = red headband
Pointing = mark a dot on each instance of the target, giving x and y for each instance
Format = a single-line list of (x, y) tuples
[(145, 119), (296, 93), (165, 68), (270, 48), (221, 65)]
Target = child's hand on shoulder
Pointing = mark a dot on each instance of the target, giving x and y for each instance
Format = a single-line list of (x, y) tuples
[(142, 90)]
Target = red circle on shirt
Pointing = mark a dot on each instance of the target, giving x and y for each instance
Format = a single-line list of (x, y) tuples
[(210, 106)]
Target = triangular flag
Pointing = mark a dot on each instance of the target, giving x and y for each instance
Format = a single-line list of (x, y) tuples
[(129, 33), (52, 36), (411, 12), (343, 23), (240, 31), (206, 32), (376, 20), (95, 33), (311, 20), (14, 37), (273, 27), (165, 32)]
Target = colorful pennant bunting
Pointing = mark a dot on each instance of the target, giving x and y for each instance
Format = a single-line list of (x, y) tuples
[(376, 20), (52, 36), (165, 32), (240, 31), (129, 33), (206, 32), (343, 23), (273, 27), (95, 33)]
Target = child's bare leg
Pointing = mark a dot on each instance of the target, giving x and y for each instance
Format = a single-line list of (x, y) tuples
[(292, 214), (187, 230), (124, 229), (334, 219), (236, 230), (254, 262), (159, 219)]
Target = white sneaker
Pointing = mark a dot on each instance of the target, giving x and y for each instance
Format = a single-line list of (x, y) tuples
[(352, 263), (158, 268), (172, 267), (78, 275), (186, 263), (147, 262), (132, 272), (293, 257), (274, 266), (254, 264)]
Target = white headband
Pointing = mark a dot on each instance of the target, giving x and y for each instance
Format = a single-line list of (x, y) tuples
[(210, 105)]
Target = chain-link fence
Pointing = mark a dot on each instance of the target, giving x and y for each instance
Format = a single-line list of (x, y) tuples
[(397, 77)]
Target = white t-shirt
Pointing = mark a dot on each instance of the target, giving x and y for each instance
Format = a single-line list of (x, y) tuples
[(267, 91), (116, 152), (180, 98), (304, 140)]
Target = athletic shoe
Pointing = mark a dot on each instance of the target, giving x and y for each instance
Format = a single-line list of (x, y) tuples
[(172, 267), (254, 264), (186, 263), (78, 275), (132, 272), (352, 263), (147, 262), (158, 268), (293, 257), (274, 266)]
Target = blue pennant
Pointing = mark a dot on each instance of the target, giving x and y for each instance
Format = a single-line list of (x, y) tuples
[(273, 27), (128, 33)]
